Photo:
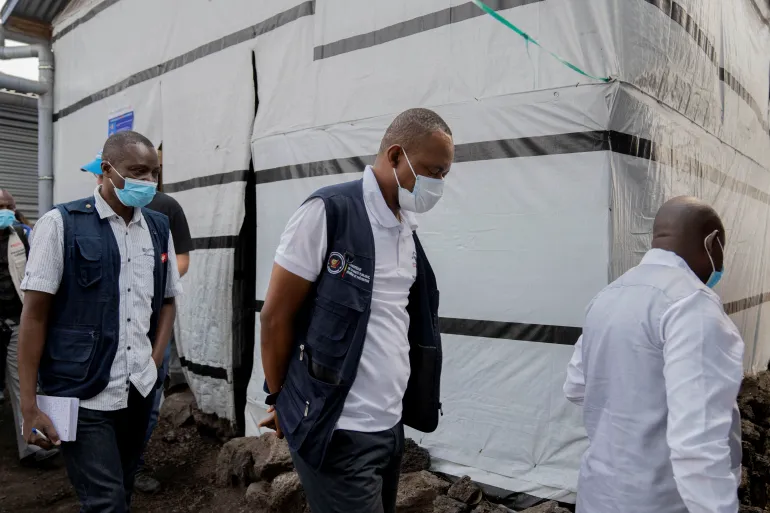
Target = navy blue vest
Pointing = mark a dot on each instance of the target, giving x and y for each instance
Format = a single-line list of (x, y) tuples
[(83, 325), (331, 329)]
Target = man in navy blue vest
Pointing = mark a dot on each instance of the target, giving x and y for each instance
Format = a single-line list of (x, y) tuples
[(98, 312), (349, 330)]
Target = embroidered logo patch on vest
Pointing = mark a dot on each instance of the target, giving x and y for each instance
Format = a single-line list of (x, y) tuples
[(336, 263), (164, 258)]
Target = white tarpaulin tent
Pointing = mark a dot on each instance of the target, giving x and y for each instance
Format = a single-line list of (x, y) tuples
[(556, 181)]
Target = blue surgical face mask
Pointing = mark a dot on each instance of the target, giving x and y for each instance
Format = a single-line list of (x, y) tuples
[(715, 275), (7, 218), (135, 193)]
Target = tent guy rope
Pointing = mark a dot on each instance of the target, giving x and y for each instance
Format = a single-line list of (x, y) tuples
[(484, 7)]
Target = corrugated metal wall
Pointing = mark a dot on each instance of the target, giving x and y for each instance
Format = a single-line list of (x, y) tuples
[(18, 152)]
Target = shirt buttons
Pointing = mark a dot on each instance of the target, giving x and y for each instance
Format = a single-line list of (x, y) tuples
[(129, 348), (129, 259), (129, 319), (129, 290)]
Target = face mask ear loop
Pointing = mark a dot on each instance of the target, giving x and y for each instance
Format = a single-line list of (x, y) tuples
[(398, 182), (116, 172), (408, 162), (706, 246)]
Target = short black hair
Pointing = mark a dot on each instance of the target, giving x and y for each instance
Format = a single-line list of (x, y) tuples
[(114, 148), (412, 125)]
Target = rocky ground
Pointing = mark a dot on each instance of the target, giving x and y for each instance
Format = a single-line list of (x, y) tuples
[(183, 459), (255, 475), (262, 466), (754, 403)]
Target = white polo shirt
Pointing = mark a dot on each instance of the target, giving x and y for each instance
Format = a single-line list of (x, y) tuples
[(374, 401)]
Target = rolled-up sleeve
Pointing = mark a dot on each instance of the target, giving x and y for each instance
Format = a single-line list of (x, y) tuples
[(45, 264), (173, 283), (703, 369), (575, 384)]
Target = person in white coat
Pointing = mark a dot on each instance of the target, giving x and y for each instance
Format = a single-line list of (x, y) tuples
[(657, 372)]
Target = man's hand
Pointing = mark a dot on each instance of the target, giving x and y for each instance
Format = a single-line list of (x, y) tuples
[(35, 418), (272, 422), (285, 296), (164, 331)]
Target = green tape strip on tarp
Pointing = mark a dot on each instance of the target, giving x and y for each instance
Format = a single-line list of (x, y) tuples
[(484, 7)]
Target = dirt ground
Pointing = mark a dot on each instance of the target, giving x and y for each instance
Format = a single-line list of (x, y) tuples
[(183, 461)]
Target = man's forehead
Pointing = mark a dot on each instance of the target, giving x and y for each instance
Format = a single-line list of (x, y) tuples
[(438, 144), (140, 154)]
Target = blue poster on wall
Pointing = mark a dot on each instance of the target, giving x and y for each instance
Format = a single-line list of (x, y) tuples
[(121, 123)]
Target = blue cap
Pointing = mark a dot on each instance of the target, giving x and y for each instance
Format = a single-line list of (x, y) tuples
[(95, 166)]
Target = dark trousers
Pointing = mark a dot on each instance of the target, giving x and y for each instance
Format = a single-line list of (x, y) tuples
[(359, 474), (102, 461)]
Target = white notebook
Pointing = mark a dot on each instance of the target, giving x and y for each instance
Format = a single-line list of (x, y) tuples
[(63, 412)]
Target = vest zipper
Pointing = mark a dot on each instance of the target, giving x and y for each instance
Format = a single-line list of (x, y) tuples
[(302, 355), (307, 407)]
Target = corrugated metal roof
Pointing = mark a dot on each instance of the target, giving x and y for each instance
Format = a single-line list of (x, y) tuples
[(38, 10)]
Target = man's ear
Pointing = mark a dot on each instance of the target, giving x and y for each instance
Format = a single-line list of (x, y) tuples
[(394, 155), (105, 167)]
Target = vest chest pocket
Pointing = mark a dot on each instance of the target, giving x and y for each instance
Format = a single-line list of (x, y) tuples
[(88, 260)]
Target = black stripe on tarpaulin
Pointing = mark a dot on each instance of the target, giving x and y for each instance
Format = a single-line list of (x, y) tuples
[(203, 370), (543, 333), (634, 146), (559, 144), (312, 169), (563, 335), (220, 242), (744, 304), (304, 9), (84, 19), (681, 17), (539, 146), (411, 27), (207, 181), (732, 82)]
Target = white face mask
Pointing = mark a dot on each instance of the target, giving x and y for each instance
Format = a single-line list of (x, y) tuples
[(425, 194)]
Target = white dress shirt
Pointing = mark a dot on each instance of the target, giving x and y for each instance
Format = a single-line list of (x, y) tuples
[(657, 372), (133, 362), (374, 401)]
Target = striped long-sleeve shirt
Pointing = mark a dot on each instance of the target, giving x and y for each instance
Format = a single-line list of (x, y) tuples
[(133, 362)]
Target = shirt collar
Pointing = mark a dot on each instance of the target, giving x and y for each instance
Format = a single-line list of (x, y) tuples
[(375, 203), (105, 210), (667, 258)]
